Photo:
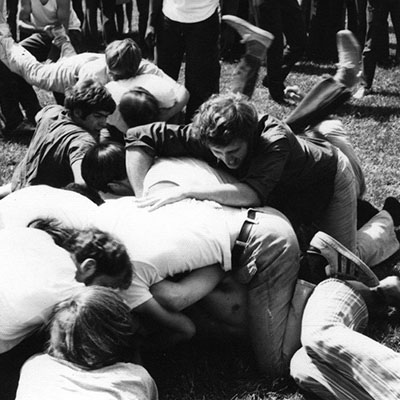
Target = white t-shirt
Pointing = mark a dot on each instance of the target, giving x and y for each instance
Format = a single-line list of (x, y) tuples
[(46, 14), (35, 275), (176, 238), (165, 90), (189, 11), (19, 208), (43, 378)]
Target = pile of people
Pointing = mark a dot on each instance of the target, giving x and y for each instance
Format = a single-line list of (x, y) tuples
[(112, 240)]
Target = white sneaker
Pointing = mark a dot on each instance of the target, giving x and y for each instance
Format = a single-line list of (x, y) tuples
[(341, 262), (250, 34)]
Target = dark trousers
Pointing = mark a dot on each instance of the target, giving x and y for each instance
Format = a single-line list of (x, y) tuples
[(12, 361), (283, 18), (376, 19), (12, 10), (14, 91), (90, 28), (199, 43)]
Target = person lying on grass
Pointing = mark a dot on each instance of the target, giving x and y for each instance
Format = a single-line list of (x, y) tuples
[(62, 137), (90, 353)]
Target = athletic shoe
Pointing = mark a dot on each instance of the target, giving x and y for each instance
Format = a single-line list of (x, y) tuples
[(341, 262), (349, 55), (361, 92), (250, 35), (390, 289)]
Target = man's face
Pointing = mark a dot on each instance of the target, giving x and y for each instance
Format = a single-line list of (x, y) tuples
[(94, 122), (233, 154)]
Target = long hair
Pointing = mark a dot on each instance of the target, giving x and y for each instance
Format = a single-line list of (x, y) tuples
[(93, 329)]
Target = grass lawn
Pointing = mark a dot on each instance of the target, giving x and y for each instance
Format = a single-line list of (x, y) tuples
[(215, 370)]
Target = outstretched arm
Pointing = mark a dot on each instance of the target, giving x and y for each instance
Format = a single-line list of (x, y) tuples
[(230, 194)]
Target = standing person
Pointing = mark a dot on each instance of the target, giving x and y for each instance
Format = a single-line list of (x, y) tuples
[(283, 19), (90, 26), (120, 15), (191, 30), (91, 352), (376, 19)]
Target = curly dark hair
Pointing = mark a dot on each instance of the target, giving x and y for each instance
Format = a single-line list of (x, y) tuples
[(225, 118), (110, 254), (104, 163), (88, 97), (93, 329)]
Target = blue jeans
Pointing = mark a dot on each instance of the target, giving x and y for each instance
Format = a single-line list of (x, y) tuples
[(199, 43), (273, 246)]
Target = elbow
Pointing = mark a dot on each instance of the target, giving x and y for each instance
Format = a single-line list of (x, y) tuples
[(189, 331)]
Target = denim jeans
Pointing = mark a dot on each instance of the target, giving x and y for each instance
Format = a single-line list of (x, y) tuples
[(273, 246), (199, 43), (336, 361)]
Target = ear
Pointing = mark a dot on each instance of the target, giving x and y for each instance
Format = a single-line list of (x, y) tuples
[(86, 270), (77, 113)]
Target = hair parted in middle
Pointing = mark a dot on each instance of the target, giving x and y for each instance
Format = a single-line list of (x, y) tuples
[(92, 329), (224, 118)]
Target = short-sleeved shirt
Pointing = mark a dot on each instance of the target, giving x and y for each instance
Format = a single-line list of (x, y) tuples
[(291, 173), (35, 275), (56, 144), (45, 377), (173, 239)]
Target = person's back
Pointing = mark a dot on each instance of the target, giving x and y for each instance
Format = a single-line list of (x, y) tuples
[(57, 143), (36, 274)]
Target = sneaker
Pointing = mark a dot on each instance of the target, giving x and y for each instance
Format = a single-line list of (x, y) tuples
[(392, 206), (361, 92), (389, 287), (250, 33), (349, 55), (341, 262)]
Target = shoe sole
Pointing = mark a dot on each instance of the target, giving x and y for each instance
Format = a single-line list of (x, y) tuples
[(233, 21), (351, 267)]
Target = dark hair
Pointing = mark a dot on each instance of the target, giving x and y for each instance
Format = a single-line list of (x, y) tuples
[(110, 254), (123, 58), (92, 329), (224, 118), (104, 163), (86, 191), (88, 97), (139, 107)]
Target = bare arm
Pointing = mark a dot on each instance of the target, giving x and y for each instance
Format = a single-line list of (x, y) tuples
[(76, 171), (24, 20), (138, 162), (63, 12), (230, 194), (181, 327), (177, 296)]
